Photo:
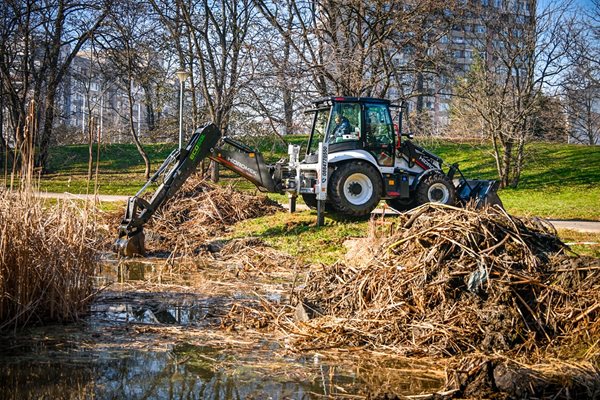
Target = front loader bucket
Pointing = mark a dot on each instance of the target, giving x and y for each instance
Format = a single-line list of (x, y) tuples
[(482, 192)]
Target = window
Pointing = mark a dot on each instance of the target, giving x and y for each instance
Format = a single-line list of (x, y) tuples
[(320, 126), (380, 133), (345, 126)]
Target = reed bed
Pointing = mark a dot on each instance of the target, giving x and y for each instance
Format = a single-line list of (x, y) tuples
[(445, 281), (46, 260)]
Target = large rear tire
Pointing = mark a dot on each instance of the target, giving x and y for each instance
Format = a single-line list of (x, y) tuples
[(436, 188), (355, 188)]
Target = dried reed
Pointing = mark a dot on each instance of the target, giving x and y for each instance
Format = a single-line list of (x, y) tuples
[(45, 260)]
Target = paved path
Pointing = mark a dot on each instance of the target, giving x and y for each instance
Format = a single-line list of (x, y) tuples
[(72, 196), (580, 226)]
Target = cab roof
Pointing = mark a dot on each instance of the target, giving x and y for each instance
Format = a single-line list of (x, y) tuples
[(343, 99)]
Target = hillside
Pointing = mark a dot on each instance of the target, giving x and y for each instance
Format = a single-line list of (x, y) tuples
[(559, 180)]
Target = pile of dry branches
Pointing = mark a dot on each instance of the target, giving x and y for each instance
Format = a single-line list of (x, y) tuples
[(199, 211), (447, 281), (46, 260)]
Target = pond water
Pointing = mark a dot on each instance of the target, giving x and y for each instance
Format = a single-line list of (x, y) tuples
[(169, 345)]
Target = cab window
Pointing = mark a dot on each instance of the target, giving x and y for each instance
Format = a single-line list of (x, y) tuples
[(320, 129), (379, 132), (345, 125)]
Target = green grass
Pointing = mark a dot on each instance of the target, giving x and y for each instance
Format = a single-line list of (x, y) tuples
[(582, 243), (559, 181), (298, 235)]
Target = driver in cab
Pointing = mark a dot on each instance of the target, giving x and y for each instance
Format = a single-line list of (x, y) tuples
[(342, 127)]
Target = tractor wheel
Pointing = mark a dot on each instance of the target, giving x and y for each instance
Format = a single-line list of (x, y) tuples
[(436, 188), (401, 204), (355, 188), (310, 200)]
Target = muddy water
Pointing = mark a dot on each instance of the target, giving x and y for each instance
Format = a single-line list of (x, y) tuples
[(162, 341)]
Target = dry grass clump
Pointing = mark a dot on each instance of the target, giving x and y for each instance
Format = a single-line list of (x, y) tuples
[(448, 281), (479, 376), (45, 261), (199, 211)]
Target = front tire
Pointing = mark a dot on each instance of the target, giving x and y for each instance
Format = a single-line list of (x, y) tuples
[(355, 188), (436, 188)]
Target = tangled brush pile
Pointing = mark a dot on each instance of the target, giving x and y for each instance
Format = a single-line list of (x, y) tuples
[(448, 281), (199, 211)]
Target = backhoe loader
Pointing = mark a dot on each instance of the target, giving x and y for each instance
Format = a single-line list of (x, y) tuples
[(355, 157)]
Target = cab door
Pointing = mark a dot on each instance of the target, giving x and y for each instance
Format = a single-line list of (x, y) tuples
[(379, 133)]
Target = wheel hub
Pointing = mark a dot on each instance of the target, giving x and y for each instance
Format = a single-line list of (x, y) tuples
[(355, 188), (438, 193), (358, 189)]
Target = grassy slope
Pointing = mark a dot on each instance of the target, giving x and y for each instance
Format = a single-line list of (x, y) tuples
[(559, 181)]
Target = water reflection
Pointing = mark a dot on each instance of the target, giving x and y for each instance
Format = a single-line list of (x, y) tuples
[(110, 357), (140, 375), (188, 371), (167, 308)]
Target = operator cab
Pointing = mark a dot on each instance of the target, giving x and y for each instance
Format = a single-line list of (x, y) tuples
[(353, 123)]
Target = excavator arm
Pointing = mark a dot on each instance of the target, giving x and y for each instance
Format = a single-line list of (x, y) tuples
[(176, 169)]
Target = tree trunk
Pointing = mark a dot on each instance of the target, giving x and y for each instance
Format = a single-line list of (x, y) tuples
[(46, 136), (134, 135), (3, 146), (214, 171), (506, 162), (150, 117)]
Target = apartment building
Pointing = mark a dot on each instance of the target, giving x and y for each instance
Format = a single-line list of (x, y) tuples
[(87, 96), (482, 29)]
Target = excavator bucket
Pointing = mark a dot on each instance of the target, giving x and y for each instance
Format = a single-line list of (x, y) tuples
[(130, 246)]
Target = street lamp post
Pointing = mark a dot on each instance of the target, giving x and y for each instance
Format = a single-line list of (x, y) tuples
[(182, 76)]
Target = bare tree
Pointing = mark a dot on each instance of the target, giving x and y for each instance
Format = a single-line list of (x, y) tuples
[(17, 67), (525, 51), (582, 93), (359, 48), (130, 59), (216, 34), (73, 25), (581, 85)]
